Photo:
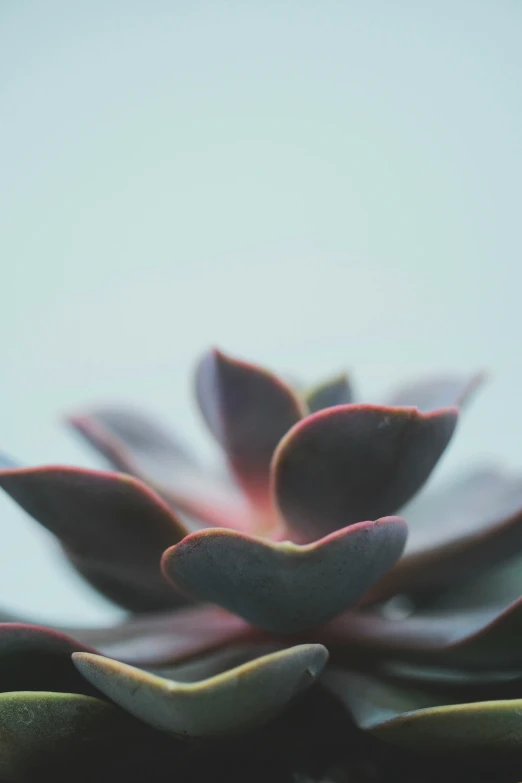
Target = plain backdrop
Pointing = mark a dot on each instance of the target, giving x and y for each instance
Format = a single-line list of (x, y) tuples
[(310, 185)]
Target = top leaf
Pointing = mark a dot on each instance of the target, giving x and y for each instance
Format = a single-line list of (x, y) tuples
[(355, 462), (248, 410)]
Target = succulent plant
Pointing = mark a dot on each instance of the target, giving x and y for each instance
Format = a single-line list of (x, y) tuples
[(281, 620)]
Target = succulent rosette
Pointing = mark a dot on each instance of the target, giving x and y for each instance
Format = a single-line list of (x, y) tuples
[(304, 592)]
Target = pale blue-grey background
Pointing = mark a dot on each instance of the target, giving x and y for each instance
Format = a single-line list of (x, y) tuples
[(311, 185)]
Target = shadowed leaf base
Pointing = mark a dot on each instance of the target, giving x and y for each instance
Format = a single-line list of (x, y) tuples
[(313, 742)]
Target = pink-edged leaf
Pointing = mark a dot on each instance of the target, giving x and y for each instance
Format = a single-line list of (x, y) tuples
[(458, 531), (34, 658), (110, 524), (280, 586), (334, 391), (355, 462), (482, 638), (168, 637), (429, 394), (134, 443), (248, 410)]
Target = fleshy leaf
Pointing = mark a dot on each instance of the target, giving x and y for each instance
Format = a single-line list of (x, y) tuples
[(334, 391), (484, 638), (56, 733), (157, 640), (431, 394), (355, 462), (227, 704), (416, 720), (280, 586), (35, 658), (136, 444), (499, 585), (111, 525), (457, 532), (248, 410), (215, 662)]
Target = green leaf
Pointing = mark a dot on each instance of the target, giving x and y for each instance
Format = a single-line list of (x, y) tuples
[(45, 732), (229, 703), (415, 719), (280, 586)]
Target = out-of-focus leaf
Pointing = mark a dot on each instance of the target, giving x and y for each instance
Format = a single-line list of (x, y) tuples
[(458, 532), (33, 658), (334, 391), (108, 523), (136, 444), (486, 637), (160, 639), (416, 720), (248, 410), (428, 394)]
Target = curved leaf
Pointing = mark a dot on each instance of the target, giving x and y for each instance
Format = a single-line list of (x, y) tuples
[(355, 462), (457, 532), (108, 523), (229, 703), (157, 640), (334, 391), (484, 638), (36, 658), (416, 720), (430, 394), (136, 444), (57, 732), (248, 410), (280, 586)]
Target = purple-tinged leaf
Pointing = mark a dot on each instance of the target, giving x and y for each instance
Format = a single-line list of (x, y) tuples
[(280, 586), (355, 462), (248, 410), (33, 658), (429, 394), (136, 444), (111, 525), (482, 638), (230, 703), (420, 721), (334, 391), (458, 532), (167, 638)]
